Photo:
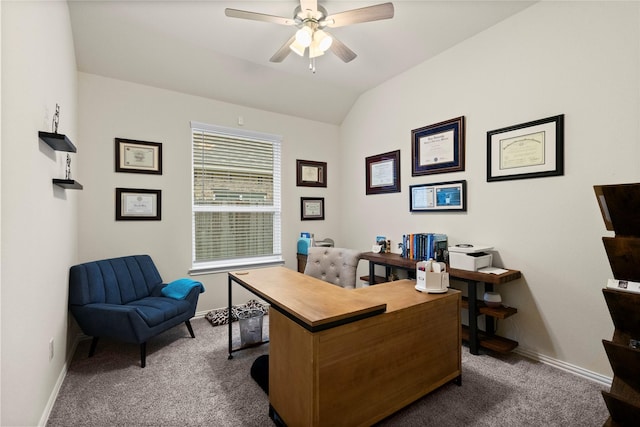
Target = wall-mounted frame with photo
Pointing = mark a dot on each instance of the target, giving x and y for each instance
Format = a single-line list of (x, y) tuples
[(442, 196), (383, 173), (311, 174), (135, 204), (311, 208), (138, 156), (528, 150), (438, 148)]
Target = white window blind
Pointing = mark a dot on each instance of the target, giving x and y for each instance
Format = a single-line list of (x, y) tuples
[(236, 198)]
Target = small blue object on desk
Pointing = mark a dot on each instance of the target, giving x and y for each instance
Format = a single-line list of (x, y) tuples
[(303, 245)]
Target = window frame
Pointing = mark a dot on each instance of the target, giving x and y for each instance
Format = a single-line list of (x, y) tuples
[(229, 264)]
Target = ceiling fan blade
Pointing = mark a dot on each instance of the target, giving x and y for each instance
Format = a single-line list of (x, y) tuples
[(282, 53), (341, 50), (243, 14), (356, 16), (311, 5)]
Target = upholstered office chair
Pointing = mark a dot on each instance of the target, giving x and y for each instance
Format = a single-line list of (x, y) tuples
[(334, 265)]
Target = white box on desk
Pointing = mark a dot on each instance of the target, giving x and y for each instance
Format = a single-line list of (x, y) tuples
[(467, 261)]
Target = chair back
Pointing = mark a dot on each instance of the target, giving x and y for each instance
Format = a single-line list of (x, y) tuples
[(334, 265), (113, 281)]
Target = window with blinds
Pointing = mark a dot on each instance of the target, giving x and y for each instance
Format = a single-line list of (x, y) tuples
[(236, 198)]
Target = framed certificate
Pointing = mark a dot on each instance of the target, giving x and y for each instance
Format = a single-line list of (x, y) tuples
[(311, 208), (528, 150), (138, 156), (438, 148), (134, 204), (383, 173), (443, 196), (311, 174)]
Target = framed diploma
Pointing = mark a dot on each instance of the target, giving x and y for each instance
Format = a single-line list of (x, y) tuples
[(383, 173), (311, 174), (438, 148), (138, 156), (443, 196), (311, 208), (528, 150), (134, 204)]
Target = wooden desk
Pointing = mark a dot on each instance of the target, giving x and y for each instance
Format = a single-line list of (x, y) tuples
[(353, 357), (473, 279)]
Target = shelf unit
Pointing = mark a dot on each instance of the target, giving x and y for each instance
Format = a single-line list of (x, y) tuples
[(619, 206), (60, 142), (472, 334)]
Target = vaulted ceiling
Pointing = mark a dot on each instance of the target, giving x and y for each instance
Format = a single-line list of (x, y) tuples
[(192, 47)]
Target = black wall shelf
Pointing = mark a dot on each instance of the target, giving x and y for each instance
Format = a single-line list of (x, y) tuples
[(67, 183), (57, 141), (60, 142)]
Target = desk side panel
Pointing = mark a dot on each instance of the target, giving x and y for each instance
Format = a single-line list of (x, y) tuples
[(372, 368), (292, 373)]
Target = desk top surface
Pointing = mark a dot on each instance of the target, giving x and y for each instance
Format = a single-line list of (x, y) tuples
[(310, 300), (317, 303)]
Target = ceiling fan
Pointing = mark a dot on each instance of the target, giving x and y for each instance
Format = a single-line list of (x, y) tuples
[(311, 19)]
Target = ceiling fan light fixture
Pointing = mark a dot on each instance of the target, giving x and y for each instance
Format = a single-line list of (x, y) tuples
[(297, 48), (315, 50), (322, 40), (304, 36)]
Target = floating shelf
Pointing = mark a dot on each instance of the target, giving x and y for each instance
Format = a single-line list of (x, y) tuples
[(57, 141), (67, 183)]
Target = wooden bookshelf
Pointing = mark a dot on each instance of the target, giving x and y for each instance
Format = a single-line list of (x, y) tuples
[(618, 205)]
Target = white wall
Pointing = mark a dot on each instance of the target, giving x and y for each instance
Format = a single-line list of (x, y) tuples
[(39, 220), (580, 59), (577, 59), (112, 108)]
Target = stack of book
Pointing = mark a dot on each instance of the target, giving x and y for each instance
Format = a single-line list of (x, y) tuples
[(424, 246)]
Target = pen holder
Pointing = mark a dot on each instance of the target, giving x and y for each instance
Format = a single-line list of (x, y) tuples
[(431, 281)]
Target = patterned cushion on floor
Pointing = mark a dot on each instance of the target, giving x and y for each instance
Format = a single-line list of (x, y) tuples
[(220, 316)]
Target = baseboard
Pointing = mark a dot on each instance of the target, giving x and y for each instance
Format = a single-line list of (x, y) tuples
[(567, 367), (200, 314), (56, 389)]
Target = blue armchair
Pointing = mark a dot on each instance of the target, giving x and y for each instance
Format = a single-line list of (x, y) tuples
[(125, 299)]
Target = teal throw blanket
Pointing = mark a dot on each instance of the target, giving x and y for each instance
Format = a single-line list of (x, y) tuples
[(179, 289)]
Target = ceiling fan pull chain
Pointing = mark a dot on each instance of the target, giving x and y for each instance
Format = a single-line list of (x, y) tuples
[(312, 65)]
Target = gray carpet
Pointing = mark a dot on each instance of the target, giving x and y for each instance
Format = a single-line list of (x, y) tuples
[(190, 382)]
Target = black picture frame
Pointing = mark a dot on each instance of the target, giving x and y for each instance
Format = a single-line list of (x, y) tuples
[(136, 204), (311, 208), (448, 196), (382, 173), (438, 148), (528, 150), (311, 174), (138, 156)]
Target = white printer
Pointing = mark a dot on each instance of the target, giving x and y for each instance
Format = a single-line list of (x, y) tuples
[(470, 257)]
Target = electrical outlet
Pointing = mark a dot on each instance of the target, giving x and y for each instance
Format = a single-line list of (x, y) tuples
[(50, 349)]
